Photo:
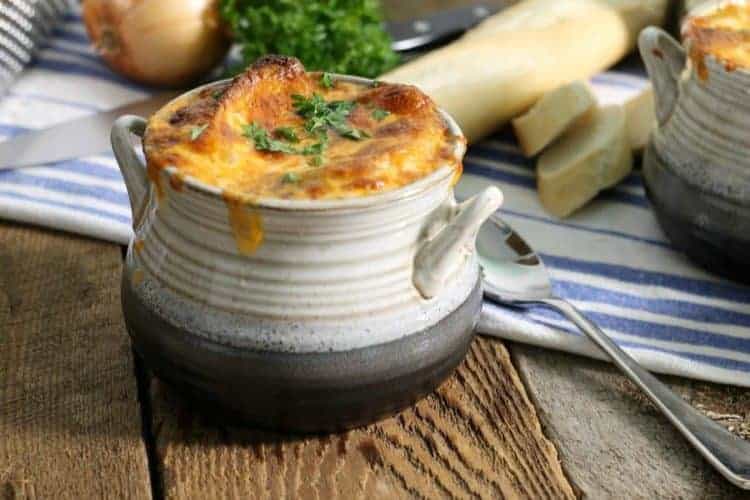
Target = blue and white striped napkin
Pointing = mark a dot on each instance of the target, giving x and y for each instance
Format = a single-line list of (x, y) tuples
[(611, 259)]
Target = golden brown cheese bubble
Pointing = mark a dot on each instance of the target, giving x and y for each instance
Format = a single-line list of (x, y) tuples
[(723, 33)]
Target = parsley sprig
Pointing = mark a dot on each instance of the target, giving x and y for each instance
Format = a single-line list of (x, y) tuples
[(340, 36)]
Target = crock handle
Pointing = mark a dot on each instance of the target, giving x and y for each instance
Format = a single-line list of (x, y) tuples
[(132, 167), (665, 59), (439, 256)]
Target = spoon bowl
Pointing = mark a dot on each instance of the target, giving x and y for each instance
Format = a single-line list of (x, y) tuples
[(512, 271)]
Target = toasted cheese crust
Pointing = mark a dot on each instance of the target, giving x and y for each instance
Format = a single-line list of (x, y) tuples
[(723, 33), (252, 139)]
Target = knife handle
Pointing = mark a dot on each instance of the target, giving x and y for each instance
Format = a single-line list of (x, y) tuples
[(131, 165)]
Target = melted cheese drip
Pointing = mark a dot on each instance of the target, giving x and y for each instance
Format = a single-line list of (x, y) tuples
[(724, 34), (154, 175), (246, 224), (137, 277)]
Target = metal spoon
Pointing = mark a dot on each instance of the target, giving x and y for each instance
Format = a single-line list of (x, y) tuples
[(515, 275)]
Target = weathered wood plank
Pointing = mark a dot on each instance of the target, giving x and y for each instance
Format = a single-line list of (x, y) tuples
[(613, 443), (70, 425), (477, 436)]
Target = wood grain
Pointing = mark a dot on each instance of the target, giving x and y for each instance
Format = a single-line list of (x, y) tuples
[(476, 437), (69, 416), (612, 441)]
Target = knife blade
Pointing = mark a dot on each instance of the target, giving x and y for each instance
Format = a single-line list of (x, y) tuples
[(438, 27), (90, 135), (84, 136)]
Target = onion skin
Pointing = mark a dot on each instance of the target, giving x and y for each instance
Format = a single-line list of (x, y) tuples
[(166, 43)]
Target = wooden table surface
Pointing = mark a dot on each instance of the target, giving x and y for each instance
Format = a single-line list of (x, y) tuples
[(81, 418)]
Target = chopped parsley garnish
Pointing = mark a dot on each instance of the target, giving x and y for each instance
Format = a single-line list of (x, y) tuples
[(290, 178), (380, 114), (315, 161), (263, 142), (321, 115), (196, 131), (315, 149), (354, 133), (287, 133), (218, 93), (327, 81)]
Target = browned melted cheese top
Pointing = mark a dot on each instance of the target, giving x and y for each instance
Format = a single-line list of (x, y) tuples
[(203, 135), (723, 33)]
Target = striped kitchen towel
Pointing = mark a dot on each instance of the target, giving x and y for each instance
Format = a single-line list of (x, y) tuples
[(611, 259)]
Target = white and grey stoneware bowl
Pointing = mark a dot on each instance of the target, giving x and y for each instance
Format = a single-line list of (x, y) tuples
[(697, 165), (348, 311)]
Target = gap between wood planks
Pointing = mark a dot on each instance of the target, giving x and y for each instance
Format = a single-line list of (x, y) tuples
[(143, 379)]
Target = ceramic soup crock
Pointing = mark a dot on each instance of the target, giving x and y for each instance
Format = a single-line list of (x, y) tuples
[(343, 312), (697, 165)]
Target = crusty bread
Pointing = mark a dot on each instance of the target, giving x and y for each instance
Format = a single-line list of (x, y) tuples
[(589, 157), (552, 115)]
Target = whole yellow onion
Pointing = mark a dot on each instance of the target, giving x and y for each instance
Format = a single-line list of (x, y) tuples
[(157, 42)]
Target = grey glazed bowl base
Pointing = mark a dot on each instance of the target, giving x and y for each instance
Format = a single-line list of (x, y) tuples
[(312, 392), (722, 243)]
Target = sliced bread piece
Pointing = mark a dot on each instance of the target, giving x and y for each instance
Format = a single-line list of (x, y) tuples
[(640, 114), (589, 157), (552, 115)]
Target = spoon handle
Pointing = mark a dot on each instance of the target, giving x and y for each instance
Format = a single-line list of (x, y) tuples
[(729, 454)]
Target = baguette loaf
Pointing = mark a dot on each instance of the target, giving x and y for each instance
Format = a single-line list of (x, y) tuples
[(501, 68)]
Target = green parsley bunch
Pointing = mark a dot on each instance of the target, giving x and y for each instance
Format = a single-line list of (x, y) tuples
[(339, 36)]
